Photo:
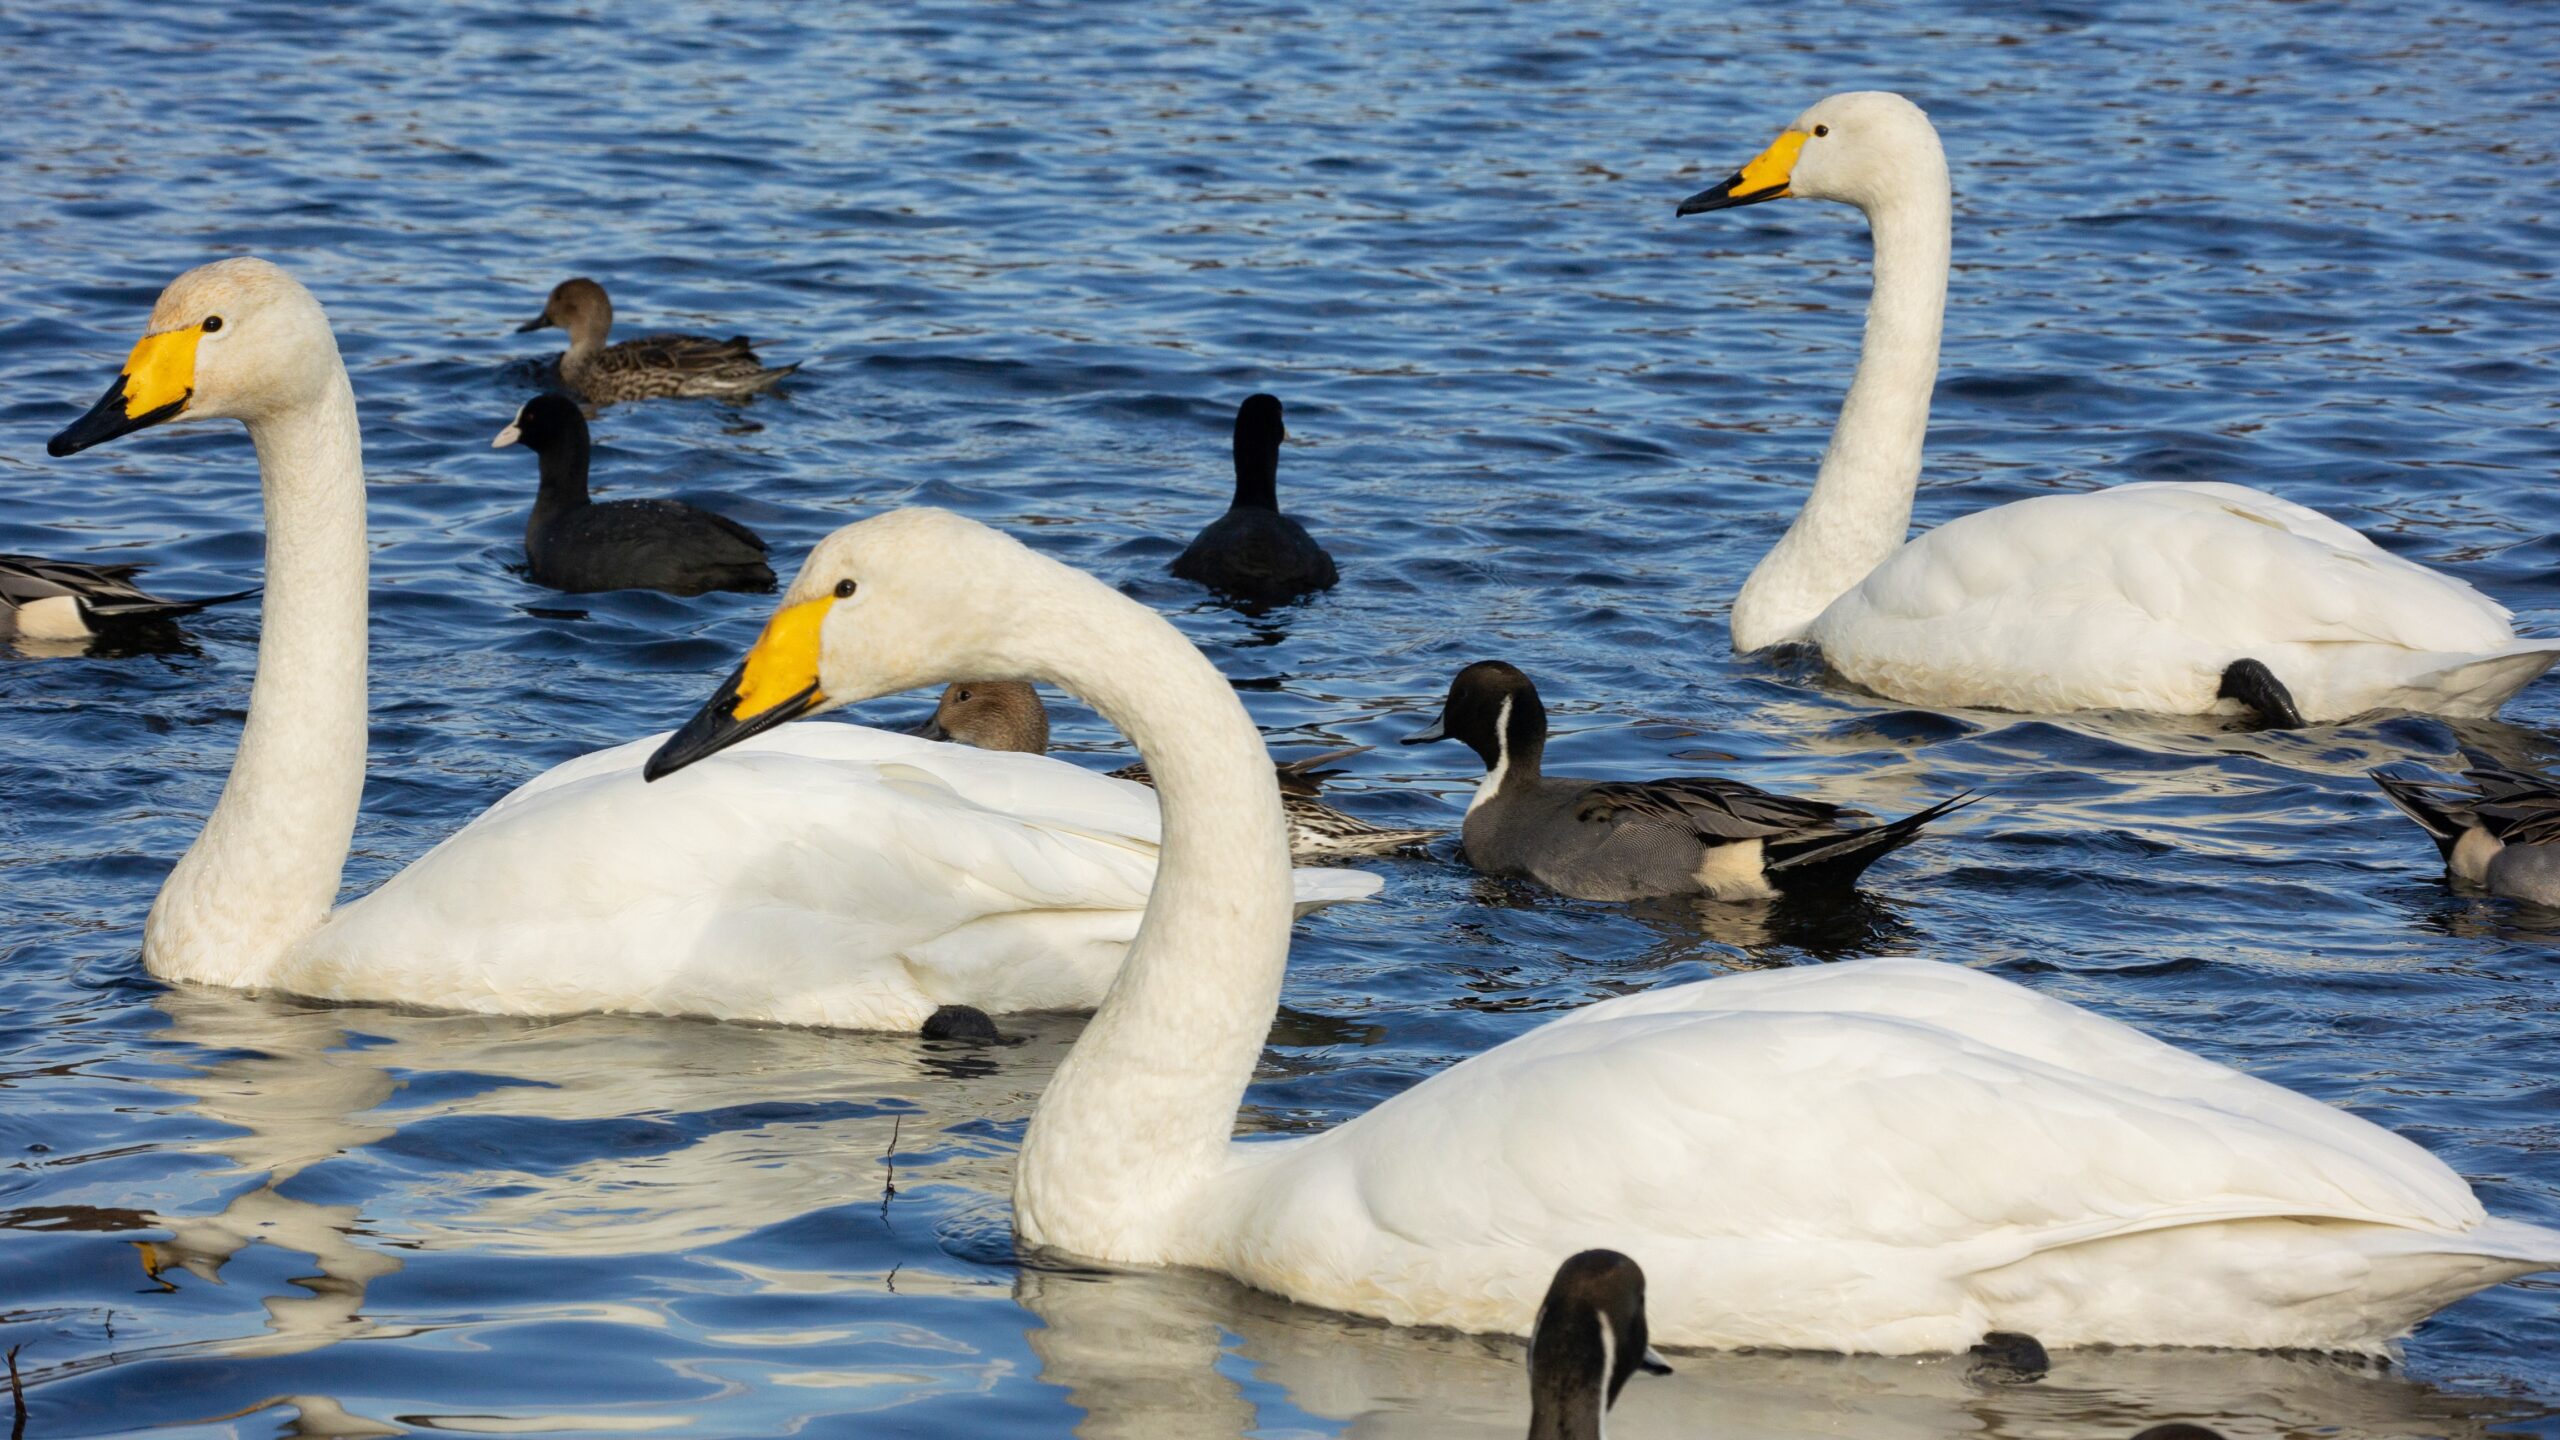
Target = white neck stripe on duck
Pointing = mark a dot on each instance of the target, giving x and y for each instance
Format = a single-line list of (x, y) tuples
[(1493, 778)]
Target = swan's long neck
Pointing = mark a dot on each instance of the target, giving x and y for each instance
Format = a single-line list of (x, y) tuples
[(1860, 508), (265, 871), (1143, 1109)]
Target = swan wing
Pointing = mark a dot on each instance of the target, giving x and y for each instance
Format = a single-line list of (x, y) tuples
[(2141, 595), (2224, 563), (818, 874), (1857, 1156)]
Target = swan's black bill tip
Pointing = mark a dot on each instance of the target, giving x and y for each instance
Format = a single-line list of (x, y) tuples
[(106, 420), (1727, 195), (715, 727)]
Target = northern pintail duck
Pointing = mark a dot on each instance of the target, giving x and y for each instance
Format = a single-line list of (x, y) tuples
[(68, 600), (1588, 1339), (1253, 552), (580, 545), (1008, 715), (1634, 840), (653, 367), (2497, 828)]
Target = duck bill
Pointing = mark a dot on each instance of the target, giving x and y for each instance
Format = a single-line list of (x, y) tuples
[(931, 729), (1765, 178), (717, 726), (1436, 730), (157, 381), (538, 322), (777, 683)]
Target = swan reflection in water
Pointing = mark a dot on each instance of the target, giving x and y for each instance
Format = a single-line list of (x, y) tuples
[(452, 1177), (1173, 1355)]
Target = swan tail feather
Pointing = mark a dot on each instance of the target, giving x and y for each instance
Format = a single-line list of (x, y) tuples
[(1840, 860), (1315, 889), (2479, 684)]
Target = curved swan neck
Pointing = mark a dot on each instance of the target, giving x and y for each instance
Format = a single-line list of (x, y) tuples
[(1143, 1109), (1860, 508), (265, 871)]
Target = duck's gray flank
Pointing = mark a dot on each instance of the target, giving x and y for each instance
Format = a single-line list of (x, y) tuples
[(1621, 840), (652, 367)]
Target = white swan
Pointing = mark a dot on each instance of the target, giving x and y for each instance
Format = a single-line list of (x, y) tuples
[(2173, 598), (1892, 1156), (834, 876)]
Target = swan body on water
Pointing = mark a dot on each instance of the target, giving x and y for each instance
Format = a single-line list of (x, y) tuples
[(2175, 598), (835, 876), (1893, 1156)]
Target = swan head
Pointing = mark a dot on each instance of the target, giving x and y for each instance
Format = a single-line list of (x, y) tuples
[(990, 715), (237, 339), (1861, 148), (883, 605), (1493, 709), (1589, 1339)]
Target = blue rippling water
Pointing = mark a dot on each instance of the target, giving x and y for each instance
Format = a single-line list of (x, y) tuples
[(1032, 255)]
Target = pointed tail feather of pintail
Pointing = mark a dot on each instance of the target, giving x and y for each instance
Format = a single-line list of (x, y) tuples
[(1841, 859), (155, 609), (1318, 830), (1307, 776), (2442, 808)]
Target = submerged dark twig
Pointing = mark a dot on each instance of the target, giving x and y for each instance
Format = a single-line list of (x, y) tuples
[(889, 1187)]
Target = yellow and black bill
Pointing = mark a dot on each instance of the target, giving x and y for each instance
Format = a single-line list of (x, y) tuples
[(1765, 178), (157, 381), (777, 683)]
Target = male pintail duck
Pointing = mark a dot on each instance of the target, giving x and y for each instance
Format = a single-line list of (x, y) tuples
[(2497, 828), (1588, 1340), (1633, 840), (69, 600)]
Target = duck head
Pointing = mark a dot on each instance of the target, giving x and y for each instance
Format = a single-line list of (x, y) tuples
[(1495, 710), (578, 306), (1860, 148), (237, 339), (991, 715), (883, 605), (1588, 1339)]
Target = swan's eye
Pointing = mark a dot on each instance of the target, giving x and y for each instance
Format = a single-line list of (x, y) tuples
[(844, 589), (1821, 130), (212, 323)]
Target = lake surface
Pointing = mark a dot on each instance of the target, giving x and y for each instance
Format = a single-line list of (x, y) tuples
[(1032, 256)]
